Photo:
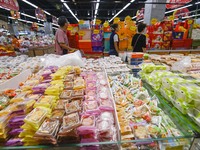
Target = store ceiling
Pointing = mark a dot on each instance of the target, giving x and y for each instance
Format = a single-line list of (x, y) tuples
[(83, 8)]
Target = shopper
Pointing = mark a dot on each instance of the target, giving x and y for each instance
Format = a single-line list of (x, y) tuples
[(61, 40), (139, 39), (2, 39), (114, 40)]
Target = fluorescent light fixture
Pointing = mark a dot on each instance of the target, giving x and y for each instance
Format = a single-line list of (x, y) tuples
[(30, 3), (55, 28), (141, 20), (65, 4), (47, 13), (97, 7), (28, 15), (55, 24), (122, 9)]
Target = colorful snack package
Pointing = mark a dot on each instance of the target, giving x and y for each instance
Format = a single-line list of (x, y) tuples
[(72, 107), (71, 121), (66, 94)]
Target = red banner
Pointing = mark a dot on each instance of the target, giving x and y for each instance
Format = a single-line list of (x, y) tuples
[(10, 4), (173, 6)]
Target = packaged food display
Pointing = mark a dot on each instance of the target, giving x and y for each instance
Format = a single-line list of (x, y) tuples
[(72, 107), (71, 121)]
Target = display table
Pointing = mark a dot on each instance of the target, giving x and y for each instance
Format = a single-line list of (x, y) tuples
[(39, 51)]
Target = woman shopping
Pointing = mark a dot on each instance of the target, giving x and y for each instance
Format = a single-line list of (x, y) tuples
[(139, 39)]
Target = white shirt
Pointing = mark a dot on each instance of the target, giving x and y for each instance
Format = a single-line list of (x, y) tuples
[(116, 39), (2, 40)]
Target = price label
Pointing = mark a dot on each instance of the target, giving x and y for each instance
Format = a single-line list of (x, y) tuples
[(133, 28), (154, 21), (98, 22), (96, 31), (69, 28), (106, 24), (81, 22), (81, 33), (171, 18), (116, 20), (190, 21)]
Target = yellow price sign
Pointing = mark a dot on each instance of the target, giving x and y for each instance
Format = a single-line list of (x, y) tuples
[(171, 18), (96, 31), (81, 33), (69, 28), (106, 24), (116, 20), (81, 22), (133, 28), (98, 22), (190, 21), (154, 21), (127, 19)]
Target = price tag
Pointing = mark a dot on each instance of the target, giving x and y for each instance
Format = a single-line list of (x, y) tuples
[(96, 31), (98, 22), (116, 20), (133, 28), (81, 33), (190, 21), (69, 28), (127, 19), (171, 18), (81, 22), (106, 24), (154, 21)]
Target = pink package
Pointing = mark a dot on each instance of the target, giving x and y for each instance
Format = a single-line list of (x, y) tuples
[(90, 85), (90, 98), (103, 95), (91, 107), (88, 125), (103, 125), (100, 75), (106, 105), (107, 115), (90, 92), (102, 82)]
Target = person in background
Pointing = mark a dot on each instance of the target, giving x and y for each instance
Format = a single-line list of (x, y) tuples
[(139, 39), (15, 43), (2, 39), (114, 40), (61, 40)]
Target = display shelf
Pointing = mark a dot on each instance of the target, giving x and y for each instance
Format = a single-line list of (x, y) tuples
[(164, 52), (183, 122)]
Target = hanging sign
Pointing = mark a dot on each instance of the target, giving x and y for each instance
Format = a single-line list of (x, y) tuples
[(172, 6), (81, 33), (127, 19), (116, 20), (10, 4), (140, 14), (54, 19), (39, 13), (106, 24), (15, 14), (133, 28)]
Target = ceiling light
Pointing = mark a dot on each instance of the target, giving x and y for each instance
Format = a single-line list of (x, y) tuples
[(28, 15), (47, 13), (141, 20), (113, 12), (30, 3), (5, 8), (55, 24), (178, 9), (122, 9), (97, 7), (108, 13), (65, 4), (75, 12), (88, 13)]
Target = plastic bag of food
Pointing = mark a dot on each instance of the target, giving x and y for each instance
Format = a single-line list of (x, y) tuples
[(36, 117), (91, 107), (46, 101), (72, 107), (69, 78), (4, 101), (67, 94), (106, 105), (14, 142), (71, 121), (58, 114), (79, 83)]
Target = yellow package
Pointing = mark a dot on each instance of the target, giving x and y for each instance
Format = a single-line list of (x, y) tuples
[(28, 85), (126, 130), (46, 101), (27, 134), (36, 117), (19, 97), (77, 70)]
